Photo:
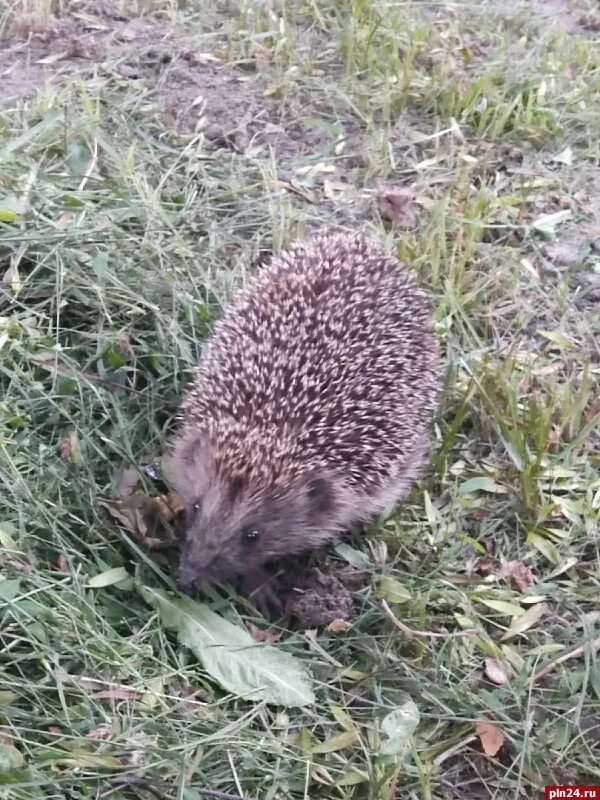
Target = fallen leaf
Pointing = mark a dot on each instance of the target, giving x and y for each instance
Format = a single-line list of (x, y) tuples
[(101, 733), (525, 621), (392, 591), (192, 698), (547, 224), (339, 626), (259, 635), (502, 606), (169, 506), (70, 449), (231, 656), (108, 578), (517, 573), (123, 346), (142, 516), (495, 672), (490, 736), (399, 725), (11, 759), (354, 557), (486, 566), (482, 483), (312, 170), (117, 694), (398, 205), (564, 157), (338, 742), (20, 565), (62, 564)]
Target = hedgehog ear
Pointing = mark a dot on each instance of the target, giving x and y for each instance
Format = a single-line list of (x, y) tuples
[(320, 493)]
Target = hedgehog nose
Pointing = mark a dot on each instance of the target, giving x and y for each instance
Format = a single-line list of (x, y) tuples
[(187, 579)]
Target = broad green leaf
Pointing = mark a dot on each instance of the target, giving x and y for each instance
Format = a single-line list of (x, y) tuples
[(501, 606), (337, 742), (564, 157), (394, 592), (31, 134), (7, 214), (78, 156), (108, 578), (545, 547), (399, 726), (9, 589), (356, 558), (100, 265), (483, 483), (11, 759), (352, 778), (567, 564), (464, 621), (231, 656), (558, 338), (525, 621), (546, 225), (545, 649), (6, 539)]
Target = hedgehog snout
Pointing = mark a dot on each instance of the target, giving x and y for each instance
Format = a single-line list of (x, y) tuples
[(187, 578), (194, 576)]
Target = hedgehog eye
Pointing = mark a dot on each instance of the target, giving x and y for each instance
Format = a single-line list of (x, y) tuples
[(251, 535), (194, 511)]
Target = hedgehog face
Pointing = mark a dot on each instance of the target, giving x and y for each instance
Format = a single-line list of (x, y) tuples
[(235, 523)]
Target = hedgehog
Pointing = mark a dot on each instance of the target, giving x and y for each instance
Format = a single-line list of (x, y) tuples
[(309, 411)]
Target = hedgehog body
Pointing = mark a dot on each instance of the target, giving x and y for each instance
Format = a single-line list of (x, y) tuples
[(309, 410)]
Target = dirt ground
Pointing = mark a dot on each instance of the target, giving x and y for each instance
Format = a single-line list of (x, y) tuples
[(194, 92)]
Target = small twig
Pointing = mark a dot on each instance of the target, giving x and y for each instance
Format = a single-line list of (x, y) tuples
[(578, 651), (153, 786), (425, 634), (90, 167)]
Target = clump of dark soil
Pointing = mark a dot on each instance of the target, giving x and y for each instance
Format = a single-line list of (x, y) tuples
[(193, 90), (323, 595)]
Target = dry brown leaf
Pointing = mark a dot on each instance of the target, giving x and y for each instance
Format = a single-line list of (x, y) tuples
[(486, 566), (518, 574), (62, 564), (398, 204), (142, 516), (193, 698), (169, 506), (123, 346), (490, 736), (70, 449), (20, 564), (495, 672), (101, 733), (269, 636), (339, 626), (117, 694)]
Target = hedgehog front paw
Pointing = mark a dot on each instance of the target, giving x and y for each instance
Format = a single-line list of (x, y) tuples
[(261, 589)]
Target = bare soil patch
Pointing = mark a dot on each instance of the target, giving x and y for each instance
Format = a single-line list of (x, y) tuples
[(193, 90), (565, 15)]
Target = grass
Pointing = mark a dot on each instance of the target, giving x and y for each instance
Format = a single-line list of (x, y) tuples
[(120, 242)]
